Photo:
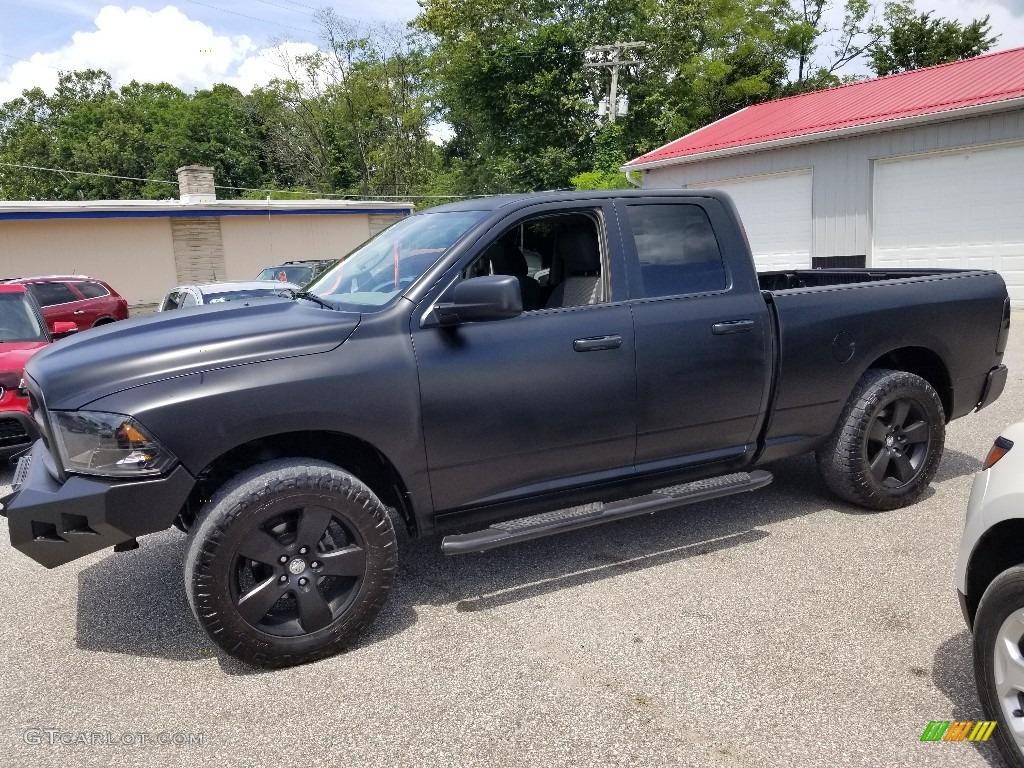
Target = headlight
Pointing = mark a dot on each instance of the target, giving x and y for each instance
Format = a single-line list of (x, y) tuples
[(96, 443)]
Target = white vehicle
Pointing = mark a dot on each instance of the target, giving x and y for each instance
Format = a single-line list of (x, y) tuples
[(184, 296), (990, 580)]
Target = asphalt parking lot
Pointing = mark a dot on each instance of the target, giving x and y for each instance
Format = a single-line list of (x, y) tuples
[(775, 628)]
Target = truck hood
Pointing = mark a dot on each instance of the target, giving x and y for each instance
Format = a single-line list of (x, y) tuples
[(130, 353)]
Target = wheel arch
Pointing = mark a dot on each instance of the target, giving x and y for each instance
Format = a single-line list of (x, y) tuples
[(925, 363), (105, 320), (1000, 548), (351, 453)]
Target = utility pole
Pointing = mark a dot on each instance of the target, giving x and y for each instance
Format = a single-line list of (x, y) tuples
[(612, 55)]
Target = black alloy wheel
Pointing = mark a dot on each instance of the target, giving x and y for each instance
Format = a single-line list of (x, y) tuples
[(297, 573), (898, 442), (289, 561), (887, 443)]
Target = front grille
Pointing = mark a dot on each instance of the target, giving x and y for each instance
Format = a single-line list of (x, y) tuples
[(12, 433)]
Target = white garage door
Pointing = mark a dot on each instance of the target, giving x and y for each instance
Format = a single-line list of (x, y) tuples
[(776, 212), (960, 209)]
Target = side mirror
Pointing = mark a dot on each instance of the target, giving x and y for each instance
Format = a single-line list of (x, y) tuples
[(62, 328), (479, 299)]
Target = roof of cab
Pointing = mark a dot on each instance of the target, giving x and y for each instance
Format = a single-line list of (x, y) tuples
[(496, 202)]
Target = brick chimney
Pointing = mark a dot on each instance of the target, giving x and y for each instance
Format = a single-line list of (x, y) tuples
[(195, 183)]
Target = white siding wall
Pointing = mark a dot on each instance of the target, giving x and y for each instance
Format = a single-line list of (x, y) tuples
[(843, 172), (776, 214), (962, 209)]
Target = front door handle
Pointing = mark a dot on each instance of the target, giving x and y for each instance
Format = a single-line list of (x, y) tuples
[(597, 342), (732, 326)]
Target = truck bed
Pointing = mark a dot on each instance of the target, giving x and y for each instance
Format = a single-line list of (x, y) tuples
[(833, 324)]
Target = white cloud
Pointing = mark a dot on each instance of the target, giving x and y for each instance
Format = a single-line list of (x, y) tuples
[(153, 46), (267, 64)]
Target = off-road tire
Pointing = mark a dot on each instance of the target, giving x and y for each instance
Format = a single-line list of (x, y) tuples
[(844, 462), (1004, 596), (235, 518)]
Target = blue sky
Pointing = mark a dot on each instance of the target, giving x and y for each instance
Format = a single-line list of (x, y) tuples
[(195, 43), (191, 43)]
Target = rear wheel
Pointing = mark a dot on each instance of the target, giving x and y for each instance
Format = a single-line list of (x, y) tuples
[(289, 562), (888, 442)]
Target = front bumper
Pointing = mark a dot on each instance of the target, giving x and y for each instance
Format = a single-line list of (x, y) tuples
[(55, 523)]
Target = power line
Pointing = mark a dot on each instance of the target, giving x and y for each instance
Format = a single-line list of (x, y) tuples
[(84, 173), (302, 5), (237, 189), (253, 18), (286, 8), (29, 61), (350, 19)]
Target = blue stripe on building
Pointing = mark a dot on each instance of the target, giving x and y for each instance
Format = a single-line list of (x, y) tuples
[(8, 216)]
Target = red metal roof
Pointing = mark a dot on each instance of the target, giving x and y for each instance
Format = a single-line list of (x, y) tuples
[(973, 82)]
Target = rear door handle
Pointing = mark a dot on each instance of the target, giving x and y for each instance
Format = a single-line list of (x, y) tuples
[(79, 312), (732, 326), (597, 342)]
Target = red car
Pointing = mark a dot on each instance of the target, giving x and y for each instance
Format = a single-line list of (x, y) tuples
[(23, 332), (84, 301)]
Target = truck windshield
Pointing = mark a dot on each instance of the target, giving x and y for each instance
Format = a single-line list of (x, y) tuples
[(379, 269), (17, 320)]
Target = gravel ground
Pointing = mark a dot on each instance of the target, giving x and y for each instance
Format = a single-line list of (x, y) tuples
[(774, 628)]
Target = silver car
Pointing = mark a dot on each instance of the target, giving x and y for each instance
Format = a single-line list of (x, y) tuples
[(990, 580), (217, 293)]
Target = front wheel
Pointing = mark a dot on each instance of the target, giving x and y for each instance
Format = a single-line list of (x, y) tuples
[(887, 444), (289, 561), (999, 663)]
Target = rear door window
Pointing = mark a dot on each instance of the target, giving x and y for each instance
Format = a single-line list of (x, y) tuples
[(48, 294), (677, 249), (91, 290)]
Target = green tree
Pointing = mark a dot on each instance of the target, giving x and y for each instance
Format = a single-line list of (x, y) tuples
[(512, 80), (142, 131), (608, 158), (919, 40), (354, 116)]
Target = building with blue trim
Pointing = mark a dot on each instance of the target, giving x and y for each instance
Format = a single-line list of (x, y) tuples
[(145, 247)]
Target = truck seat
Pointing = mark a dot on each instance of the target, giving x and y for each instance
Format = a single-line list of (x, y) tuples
[(507, 259), (580, 254)]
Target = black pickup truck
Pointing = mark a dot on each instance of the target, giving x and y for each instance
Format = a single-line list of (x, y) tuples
[(493, 370)]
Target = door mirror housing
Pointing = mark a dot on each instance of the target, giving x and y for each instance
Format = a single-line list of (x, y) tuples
[(62, 328), (481, 299)]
